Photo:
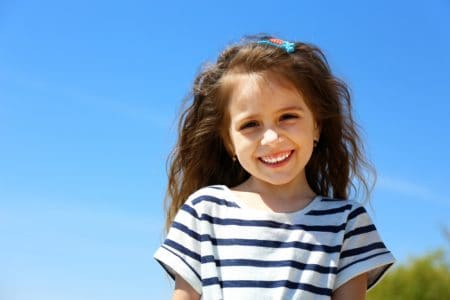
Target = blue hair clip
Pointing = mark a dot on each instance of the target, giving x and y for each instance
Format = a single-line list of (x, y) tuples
[(285, 45)]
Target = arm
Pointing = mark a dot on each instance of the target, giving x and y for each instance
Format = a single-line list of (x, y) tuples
[(354, 289), (183, 290)]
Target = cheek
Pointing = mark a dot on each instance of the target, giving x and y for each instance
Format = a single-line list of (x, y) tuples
[(234, 141), (241, 144)]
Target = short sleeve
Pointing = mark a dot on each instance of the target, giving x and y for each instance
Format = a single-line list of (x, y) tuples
[(180, 252), (362, 251)]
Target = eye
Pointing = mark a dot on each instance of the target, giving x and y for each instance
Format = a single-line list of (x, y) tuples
[(249, 124), (288, 116)]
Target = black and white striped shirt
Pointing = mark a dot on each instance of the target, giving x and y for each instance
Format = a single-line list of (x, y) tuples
[(225, 250)]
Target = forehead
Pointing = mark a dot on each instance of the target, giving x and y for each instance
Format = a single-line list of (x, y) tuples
[(257, 92)]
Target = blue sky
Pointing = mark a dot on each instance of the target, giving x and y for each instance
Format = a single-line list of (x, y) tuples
[(89, 94)]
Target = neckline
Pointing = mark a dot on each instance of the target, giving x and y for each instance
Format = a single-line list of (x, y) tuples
[(244, 206)]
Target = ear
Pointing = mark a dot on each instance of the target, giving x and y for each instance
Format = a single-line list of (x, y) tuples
[(317, 130)]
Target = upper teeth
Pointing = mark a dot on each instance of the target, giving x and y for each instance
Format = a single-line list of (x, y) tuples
[(275, 159)]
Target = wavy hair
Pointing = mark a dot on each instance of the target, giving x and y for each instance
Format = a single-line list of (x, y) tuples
[(338, 166)]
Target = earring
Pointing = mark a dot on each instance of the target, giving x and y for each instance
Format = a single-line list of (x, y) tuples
[(234, 158), (315, 142)]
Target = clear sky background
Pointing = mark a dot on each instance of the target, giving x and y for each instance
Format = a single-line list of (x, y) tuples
[(89, 95)]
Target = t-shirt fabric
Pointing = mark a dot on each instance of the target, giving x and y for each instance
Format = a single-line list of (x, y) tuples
[(226, 250)]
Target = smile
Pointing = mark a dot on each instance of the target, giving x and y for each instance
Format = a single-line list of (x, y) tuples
[(276, 158)]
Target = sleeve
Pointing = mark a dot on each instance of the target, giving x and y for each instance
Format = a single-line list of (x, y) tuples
[(362, 250), (180, 253)]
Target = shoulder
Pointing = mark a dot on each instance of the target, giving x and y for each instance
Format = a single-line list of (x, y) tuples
[(341, 208), (211, 197), (210, 190), (362, 250)]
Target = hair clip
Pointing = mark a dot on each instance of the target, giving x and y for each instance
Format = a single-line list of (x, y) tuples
[(285, 45)]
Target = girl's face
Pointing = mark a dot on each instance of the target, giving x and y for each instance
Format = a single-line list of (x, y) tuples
[(272, 130)]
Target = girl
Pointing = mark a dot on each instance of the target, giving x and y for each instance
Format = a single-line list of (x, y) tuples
[(267, 155)]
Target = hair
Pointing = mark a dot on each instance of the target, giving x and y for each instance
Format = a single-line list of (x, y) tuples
[(201, 157)]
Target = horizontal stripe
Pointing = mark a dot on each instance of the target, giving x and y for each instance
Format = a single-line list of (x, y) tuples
[(212, 199), (360, 250), (263, 223), (274, 264), (211, 281), (332, 200), (255, 242), (360, 230), (190, 210), (275, 244), (190, 232), (360, 210), (267, 284), (185, 262), (329, 211), (182, 249), (362, 259), (217, 187)]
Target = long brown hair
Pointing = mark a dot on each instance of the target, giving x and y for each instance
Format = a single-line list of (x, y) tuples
[(338, 165)]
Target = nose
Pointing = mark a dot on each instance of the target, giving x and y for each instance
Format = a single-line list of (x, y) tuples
[(269, 137)]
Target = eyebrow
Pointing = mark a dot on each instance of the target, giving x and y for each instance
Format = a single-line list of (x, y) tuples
[(295, 107), (253, 116)]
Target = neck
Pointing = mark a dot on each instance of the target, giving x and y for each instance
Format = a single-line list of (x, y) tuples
[(295, 194)]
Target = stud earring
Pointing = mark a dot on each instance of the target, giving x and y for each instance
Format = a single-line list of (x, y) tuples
[(315, 143), (234, 158)]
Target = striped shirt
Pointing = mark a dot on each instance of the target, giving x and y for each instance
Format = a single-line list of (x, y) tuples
[(225, 250)]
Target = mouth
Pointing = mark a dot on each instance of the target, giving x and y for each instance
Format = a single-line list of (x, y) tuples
[(276, 159)]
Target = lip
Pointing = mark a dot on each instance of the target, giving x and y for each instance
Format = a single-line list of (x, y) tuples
[(280, 163)]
